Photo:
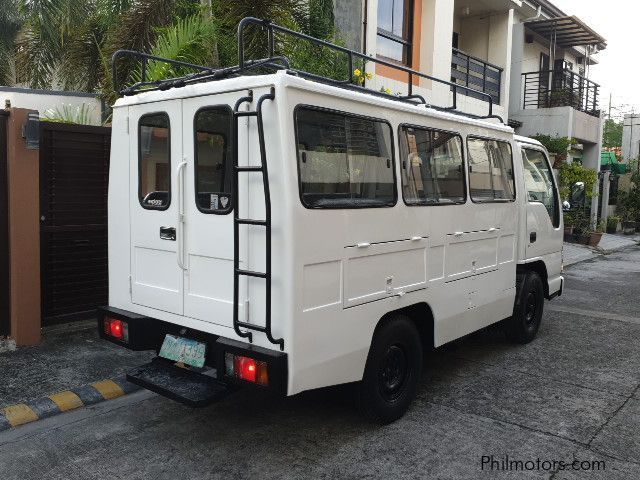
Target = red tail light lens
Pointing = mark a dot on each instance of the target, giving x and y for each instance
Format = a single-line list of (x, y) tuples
[(116, 328), (247, 369)]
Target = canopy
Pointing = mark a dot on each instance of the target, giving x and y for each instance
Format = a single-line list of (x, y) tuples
[(567, 31), (609, 159)]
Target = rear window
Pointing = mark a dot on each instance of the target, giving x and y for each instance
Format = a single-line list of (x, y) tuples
[(213, 159), (154, 189), (344, 161), (491, 176)]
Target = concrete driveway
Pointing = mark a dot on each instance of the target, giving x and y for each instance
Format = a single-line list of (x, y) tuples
[(484, 407)]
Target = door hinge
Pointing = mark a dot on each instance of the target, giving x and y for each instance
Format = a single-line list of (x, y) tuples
[(246, 311), (130, 285), (127, 125)]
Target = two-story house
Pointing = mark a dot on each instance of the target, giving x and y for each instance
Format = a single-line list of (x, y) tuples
[(528, 55)]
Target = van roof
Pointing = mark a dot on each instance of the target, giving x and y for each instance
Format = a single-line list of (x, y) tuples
[(285, 80)]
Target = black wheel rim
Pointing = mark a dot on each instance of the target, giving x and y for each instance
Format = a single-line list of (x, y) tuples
[(531, 309), (393, 373)]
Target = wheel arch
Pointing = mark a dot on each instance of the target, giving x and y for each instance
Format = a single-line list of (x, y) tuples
[(540, 268), (421, 316)]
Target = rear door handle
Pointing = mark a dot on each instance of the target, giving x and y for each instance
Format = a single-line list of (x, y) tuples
[(533, 236), (168, 233)]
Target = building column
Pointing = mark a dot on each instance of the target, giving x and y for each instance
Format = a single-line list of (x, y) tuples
[(436, 48), (23, 168), (499, 52), (606, 188)]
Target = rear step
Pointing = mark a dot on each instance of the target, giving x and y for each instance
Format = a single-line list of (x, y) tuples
[(179, 384)]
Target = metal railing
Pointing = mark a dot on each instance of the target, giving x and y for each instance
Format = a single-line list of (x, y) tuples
[(560, 88), (476, 74)]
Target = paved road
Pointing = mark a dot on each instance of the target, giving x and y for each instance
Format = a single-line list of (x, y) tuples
[(572, 394)]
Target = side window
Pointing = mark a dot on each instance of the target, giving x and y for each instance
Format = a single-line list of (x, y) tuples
[(344, 161), (432, 167), (540, 183), (491, 176), (213, 160), (154, 167)]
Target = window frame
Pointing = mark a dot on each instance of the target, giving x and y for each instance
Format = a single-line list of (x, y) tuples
[(347, 114), (231, 140), (408, 42), (140, 198), (513, 168), (557, 214), (464, 165)]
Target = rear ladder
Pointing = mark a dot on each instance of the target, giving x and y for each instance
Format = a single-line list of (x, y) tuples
[(266, 223)]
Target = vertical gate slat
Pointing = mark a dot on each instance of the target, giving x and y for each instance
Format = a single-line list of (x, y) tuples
[(73, 233), (5, 321)]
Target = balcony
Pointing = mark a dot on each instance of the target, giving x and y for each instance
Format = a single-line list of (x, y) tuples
[(477, 74), (560, 88)]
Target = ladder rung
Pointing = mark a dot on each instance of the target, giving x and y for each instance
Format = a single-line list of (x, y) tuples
[(251, 273), (248, 169), (251, 221), (251, 326), (245, 114)]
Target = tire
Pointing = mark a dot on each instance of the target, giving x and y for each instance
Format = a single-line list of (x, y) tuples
[(392, 371), (523, 326)]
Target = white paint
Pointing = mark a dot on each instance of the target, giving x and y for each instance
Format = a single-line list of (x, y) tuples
[(335, 272), (42, 100)]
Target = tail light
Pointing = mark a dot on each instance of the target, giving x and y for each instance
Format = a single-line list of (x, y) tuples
[(246, 368), (116, 328)]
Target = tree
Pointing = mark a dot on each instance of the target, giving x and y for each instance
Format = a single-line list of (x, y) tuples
[(612, 135)]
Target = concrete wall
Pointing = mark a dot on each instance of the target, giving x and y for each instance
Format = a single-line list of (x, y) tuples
[(43, 100), (631, 137), (348, 16)]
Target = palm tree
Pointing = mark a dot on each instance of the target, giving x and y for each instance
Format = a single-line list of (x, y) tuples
[(10, 23)]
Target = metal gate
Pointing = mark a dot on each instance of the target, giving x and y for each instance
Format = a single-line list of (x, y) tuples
[(4, 228), (74, 173)]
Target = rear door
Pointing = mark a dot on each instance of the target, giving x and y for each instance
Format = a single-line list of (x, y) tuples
[(543, 234), (208, 203), (156, 231)]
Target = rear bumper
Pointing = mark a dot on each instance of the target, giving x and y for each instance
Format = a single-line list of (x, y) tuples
[(145, 333)]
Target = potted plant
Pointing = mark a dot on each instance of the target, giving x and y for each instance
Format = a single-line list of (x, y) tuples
[(596, 235), (612, 224), (569, 222), (581, 226)]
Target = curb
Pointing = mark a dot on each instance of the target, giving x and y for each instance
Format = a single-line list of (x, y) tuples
[(45, 407)]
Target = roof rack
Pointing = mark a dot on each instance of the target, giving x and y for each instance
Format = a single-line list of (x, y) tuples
[(278, 62)]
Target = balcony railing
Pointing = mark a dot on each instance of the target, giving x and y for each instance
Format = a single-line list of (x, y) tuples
[(560, 88), (477, 74)]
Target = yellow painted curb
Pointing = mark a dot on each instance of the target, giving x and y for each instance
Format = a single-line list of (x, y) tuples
[(19, 414), (108, 389), (66, 401)]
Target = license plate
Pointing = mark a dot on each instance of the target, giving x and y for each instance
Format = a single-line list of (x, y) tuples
[(183, 350)]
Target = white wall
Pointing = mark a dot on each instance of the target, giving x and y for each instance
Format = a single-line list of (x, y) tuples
[(631, 137), (43, 100)]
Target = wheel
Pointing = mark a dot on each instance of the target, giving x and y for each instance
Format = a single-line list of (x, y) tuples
[(392, 371), (523, 326)]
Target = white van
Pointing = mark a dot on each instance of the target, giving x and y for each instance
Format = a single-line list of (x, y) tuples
[(355, 232)]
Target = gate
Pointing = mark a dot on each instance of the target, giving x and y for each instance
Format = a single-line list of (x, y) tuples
[(74, 173), (4, 228)]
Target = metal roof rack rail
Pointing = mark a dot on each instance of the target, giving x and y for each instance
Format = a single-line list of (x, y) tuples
[(279, 62)]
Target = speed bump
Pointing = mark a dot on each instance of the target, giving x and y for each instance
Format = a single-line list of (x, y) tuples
[(67, 400)]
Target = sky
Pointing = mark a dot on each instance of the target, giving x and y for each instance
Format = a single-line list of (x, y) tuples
[(619, 70)]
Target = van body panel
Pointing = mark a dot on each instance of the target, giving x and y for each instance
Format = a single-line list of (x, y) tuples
[(336, 271)]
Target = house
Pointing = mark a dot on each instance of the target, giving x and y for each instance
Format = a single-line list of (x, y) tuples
[(528, 55)]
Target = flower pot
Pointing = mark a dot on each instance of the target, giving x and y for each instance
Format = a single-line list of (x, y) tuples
[(594, 239), (568, 235), (612, 230), (629, 228), (584, 239)]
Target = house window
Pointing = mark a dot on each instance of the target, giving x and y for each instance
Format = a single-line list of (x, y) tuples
[(395, 30)]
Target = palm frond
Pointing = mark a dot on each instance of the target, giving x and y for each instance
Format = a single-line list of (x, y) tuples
[(191, 39), (80, 115)]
